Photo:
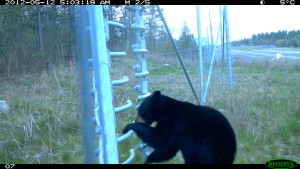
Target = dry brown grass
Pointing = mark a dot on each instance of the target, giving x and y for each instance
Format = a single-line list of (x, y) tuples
[(43, 125)]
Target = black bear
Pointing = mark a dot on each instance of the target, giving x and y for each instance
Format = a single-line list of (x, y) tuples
[(202, 133)]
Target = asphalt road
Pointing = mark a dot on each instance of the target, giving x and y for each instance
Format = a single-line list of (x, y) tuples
[(265, 54)]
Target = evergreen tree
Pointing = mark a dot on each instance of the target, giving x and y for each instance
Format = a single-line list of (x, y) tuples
[(281, 38)]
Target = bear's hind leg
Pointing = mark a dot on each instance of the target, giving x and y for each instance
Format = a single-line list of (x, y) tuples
[(202, 154)]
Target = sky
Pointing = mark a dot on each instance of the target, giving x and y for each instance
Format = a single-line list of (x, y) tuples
[(244, 20)]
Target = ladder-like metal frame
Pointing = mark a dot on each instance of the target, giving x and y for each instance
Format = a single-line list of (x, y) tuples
[(104, 112), (140, 50)]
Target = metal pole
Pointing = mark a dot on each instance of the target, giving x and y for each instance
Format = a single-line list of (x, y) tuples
[(140, 50), (222, 42), (211, 36), (103, 93), (228, 46), (177, 53), (212, 59), (200, 55), (87, 129)]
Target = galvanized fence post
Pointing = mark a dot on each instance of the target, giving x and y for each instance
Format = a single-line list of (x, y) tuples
[(140, 50), (104, 111), (87, 131), (200, 55), (213, 56), (228, 46)]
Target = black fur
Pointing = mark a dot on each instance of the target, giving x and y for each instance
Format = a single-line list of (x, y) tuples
[(202, 133)]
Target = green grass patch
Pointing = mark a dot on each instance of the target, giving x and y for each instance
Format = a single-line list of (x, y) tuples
[(43, 124)]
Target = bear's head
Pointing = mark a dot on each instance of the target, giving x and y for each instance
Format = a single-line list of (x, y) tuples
[(148, 111)]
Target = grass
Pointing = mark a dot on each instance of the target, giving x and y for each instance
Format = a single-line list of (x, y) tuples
[(273, 106), (43, 124)]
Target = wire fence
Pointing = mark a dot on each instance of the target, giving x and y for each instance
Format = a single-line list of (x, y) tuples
[(162, 62), (169, 66)]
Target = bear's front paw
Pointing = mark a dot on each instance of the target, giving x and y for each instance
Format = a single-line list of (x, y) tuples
[(128, 127)]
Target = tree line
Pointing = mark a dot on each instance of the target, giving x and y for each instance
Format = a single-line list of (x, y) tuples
[(281, 38), (33, 37), (36, 37)]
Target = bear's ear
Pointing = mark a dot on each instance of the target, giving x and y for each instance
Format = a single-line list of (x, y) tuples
[(155, 96)]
